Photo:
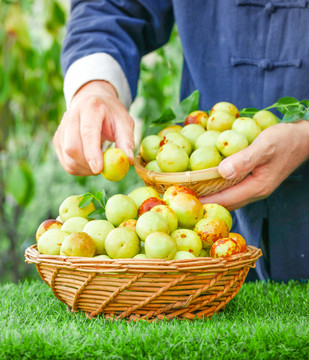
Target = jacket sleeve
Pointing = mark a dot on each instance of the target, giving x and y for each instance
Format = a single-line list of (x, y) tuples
[(106, 39)]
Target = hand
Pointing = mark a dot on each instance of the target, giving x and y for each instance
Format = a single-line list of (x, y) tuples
[(270, 159), (95, 114)]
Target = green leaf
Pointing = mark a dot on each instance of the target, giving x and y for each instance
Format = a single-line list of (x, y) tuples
[(188, 105), (248, 111), (20, 183), (292, 116), (306, 115), (56, 19), (305, 102), (281, 109), (86, 200), (288, 108), (288, 100), (101, 198), (181, 111), (165, 118), (97, 214), (58, 13), (104, 198), (98, 195)]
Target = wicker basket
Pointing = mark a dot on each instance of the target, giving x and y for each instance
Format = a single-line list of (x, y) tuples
[(144, 289), (202, 182)]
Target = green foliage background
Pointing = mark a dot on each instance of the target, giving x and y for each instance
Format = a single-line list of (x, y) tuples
[(32, 181)]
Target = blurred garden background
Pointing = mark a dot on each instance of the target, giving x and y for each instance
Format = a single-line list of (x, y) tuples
[(265, 321), (32, 182)]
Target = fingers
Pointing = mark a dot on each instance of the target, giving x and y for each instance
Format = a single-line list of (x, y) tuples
[(247, 191), (124, 135), (244, 161), (99, 121), (68, 147), (256, 162), (266, 162), (252, 161), (91, 120), (72, 150), (82, 130)]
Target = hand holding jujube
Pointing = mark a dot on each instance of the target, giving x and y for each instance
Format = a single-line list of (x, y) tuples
[(254, 144), (269, 160), (94, 115)]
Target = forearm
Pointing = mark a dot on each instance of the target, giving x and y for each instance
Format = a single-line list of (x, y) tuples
[(105, 41)]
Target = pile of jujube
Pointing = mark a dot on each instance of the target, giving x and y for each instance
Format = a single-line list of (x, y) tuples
[(204, 140), (141, 225)]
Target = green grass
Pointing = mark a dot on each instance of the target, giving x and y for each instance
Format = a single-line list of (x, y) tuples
[(264, 321)]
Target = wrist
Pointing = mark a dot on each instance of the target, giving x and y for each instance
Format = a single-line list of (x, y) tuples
[(303, 128), (91, 69), (98, 87)]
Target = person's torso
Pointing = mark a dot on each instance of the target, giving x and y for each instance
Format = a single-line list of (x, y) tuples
[(248, 52), (252, 52)]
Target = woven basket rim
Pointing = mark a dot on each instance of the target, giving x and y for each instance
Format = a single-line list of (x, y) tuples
[(199, 264), (170, 178)]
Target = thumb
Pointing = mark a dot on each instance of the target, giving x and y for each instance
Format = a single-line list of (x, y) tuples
[(242, 162)]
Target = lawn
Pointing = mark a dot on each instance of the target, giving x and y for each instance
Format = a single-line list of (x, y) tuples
[(264, 321)]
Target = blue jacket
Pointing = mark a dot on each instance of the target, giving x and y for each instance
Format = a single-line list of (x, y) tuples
[(248, 52)]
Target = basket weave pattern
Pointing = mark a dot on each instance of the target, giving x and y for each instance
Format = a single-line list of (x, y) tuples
[(138, 289), (202, 182)]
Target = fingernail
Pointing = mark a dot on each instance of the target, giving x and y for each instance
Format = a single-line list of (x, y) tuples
[(227, 170), (93, 166)]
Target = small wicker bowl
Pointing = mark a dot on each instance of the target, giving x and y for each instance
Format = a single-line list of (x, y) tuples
[(202, 182), (137, 289)]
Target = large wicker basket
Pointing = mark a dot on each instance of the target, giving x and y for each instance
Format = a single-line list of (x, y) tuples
[(144, 289), (202, 182)]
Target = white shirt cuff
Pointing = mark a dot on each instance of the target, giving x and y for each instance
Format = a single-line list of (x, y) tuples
[(98, 66)]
